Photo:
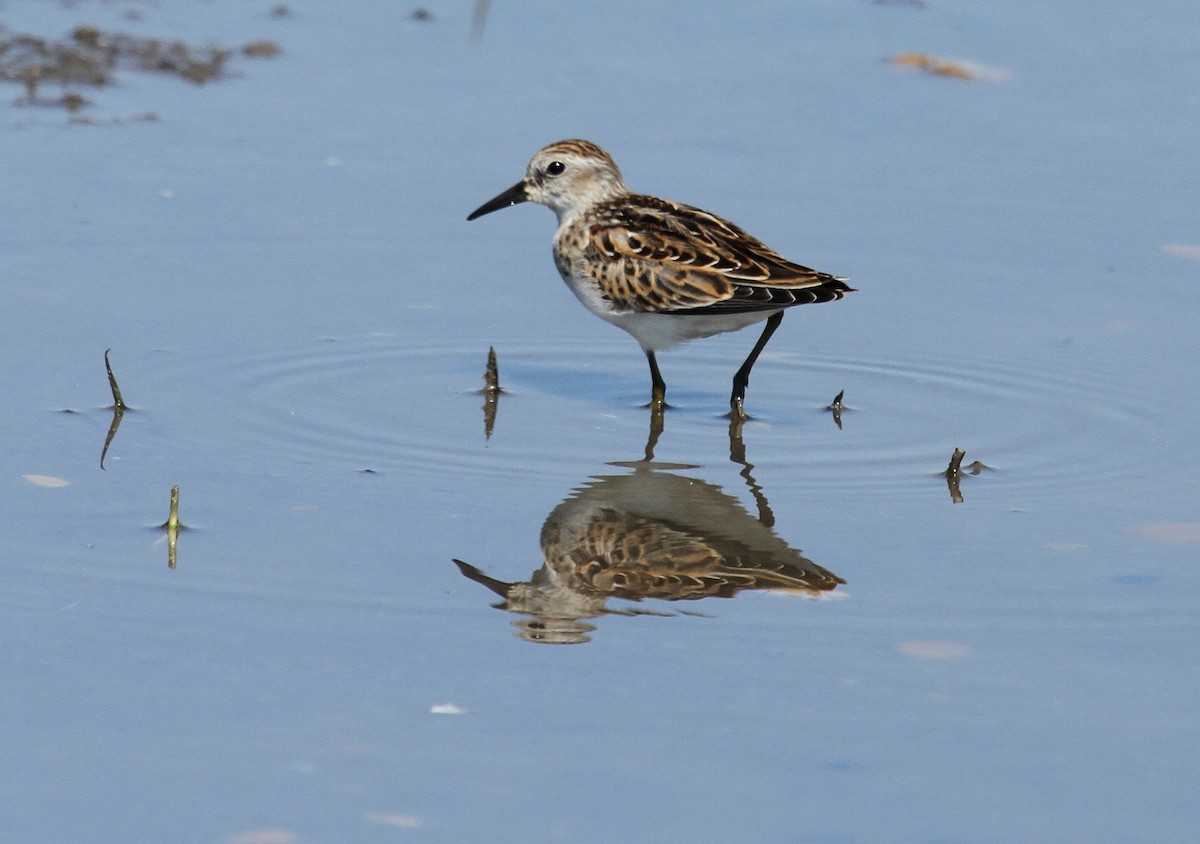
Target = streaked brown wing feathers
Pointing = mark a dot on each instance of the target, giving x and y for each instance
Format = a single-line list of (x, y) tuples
[(660, 256)]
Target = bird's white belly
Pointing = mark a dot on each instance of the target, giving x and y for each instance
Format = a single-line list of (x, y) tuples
[(656, 331), (662, 331)]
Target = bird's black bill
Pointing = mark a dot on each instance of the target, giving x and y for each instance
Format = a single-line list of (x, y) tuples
[(513, 196)]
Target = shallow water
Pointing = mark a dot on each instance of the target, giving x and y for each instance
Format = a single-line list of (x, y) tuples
[(299, 317)]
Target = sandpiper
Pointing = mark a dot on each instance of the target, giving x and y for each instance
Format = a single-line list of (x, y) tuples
[(664, 272)]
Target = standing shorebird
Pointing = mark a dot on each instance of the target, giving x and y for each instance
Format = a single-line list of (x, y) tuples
[(666, 273)]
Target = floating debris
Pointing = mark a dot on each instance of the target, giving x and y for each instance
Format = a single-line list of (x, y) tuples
[(118, 408), (73, 102), (933, 65), (491, 375), (951, 68), (955, 471), (447, 709), (956, 460), (491, 393), (118, 415), (172, 526), (835, 407), (261, 50), (118, 402), (46, 481), (89, 57), (953, 475)]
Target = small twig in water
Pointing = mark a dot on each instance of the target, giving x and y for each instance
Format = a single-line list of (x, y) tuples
[(118, 408), (118, 402), (956, 460), (491, 393), (953, 475), (172, 526), (835, 407), (118, 415), (491, 376)]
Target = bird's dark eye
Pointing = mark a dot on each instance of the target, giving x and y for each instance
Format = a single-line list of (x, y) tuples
[(555, 168)]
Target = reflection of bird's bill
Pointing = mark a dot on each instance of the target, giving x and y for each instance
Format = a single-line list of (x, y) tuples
[(648, 534), (544, 594), (469, 571)]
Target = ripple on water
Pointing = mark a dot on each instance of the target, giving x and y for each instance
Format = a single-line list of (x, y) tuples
[(379, 402), (1035, 423)]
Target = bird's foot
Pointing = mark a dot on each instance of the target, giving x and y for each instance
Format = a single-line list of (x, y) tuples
[(737, 411), (658, 400), (735, 430)]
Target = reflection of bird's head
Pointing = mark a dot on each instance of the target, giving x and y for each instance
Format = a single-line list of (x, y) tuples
[(649, 534), (553, 631), (555, 611)]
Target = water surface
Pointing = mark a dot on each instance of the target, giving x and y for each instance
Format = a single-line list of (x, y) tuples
[(299, 316)]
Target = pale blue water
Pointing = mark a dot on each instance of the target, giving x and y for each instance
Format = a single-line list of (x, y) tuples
[(283, 270)]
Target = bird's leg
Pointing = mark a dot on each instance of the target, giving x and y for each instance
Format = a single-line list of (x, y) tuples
[(742, 377), (737, 453), (658, 387)]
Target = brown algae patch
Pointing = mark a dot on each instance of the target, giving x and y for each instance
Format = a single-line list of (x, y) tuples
[(90, 58)]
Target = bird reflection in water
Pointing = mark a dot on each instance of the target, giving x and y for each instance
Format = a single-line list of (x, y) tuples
[(650, 533)]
